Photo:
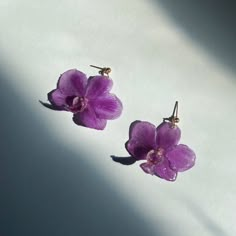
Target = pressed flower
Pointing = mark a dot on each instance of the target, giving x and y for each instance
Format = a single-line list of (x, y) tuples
[(159, 147), (89, 99)]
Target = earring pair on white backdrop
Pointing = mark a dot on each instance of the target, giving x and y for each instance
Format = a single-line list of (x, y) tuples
[(92, 105)]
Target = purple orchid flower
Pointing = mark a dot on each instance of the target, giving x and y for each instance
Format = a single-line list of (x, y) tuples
[(89, 100), (160, 149)]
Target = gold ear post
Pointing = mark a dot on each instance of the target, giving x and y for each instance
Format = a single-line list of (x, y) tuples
[(103, 70), (174, 117)]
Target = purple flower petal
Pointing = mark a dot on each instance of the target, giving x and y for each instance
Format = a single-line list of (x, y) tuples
[(107, 107), (142, 136), (97, 86), (149, 168), (89, 119), (181, 158), (72, 83), (164, 171), (57, 98), (167, 136)]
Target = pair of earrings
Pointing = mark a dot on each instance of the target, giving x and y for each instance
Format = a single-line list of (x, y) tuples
[(92, 104)]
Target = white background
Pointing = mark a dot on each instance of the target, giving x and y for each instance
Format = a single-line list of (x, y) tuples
[(154, 63)]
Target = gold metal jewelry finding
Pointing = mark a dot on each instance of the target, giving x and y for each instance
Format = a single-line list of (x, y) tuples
[(102, 70), (174, 117)]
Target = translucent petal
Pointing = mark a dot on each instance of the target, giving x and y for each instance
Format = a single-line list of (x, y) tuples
[(97, 86), (167, 136), (164, 171), (57, 98), (181, 158), (107, 107), (72, 82), (142, 137), (149, 168), (89, 119)]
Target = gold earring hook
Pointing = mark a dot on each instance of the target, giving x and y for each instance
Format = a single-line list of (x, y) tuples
[(103, 70), (174, 117)]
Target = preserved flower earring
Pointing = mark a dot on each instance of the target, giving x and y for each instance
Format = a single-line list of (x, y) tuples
[(158, 148), (89, 99)]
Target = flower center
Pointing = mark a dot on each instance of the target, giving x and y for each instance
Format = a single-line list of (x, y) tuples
[(155, 156), (76, 104)]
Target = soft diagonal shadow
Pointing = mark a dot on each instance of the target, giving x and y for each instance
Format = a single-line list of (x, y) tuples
[(209, 23), (204, 219), (47, 189)]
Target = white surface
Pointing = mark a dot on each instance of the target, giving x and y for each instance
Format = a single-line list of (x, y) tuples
[(154, 63)]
